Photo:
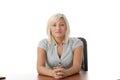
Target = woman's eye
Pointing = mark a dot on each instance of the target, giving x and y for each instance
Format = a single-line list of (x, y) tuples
[(54, 25), (61, 24)]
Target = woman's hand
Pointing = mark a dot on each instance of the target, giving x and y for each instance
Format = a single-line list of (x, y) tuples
[(58, 72)]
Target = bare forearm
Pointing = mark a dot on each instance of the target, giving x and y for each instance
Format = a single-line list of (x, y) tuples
[(44, 71), (72, 70)]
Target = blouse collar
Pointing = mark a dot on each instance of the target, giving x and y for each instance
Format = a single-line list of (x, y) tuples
[(64, 42)]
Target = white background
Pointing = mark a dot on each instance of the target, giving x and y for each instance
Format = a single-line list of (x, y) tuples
[(23, 25)]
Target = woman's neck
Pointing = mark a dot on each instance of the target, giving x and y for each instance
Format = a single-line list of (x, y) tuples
[(59, 40)]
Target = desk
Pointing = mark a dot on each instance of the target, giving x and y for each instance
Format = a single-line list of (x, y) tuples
[(83, 75), (80, 76)]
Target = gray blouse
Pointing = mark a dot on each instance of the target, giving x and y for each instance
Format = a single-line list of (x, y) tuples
[(66, 58)]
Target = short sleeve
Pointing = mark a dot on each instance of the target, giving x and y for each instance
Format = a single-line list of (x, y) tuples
[(43, 44), (76, 43)]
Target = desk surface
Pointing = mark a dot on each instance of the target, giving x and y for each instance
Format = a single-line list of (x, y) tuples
[(80, 76), (83, 75)]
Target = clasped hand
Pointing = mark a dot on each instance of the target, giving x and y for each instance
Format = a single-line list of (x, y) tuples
[(58, 72)]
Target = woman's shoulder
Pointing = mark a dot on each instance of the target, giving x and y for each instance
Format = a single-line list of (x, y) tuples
[(74, 39), (43, 41), (43, 44)]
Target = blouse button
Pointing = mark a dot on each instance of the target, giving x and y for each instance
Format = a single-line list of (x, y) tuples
[(59, 63)]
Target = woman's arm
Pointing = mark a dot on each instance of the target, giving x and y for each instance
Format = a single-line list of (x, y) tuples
[(41, 60), (77, 61), (41, 69)]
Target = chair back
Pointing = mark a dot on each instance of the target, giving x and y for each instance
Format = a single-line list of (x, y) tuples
[(84, 66)]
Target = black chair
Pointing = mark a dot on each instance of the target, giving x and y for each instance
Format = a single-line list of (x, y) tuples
[(84, 66), (1, 77)]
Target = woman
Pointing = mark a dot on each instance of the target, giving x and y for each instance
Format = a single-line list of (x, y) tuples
[(59, 56)]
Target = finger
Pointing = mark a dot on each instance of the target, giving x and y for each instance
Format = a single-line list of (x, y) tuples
[(58, 77), (54, 67), (60, 73), (58, 70)]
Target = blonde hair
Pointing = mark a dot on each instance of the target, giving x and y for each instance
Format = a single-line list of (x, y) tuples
[(56, 17)]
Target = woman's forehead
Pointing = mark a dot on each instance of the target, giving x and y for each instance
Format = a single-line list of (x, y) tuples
[(58, 20)]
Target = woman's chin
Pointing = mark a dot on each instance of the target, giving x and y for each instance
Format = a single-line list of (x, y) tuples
[(59, 36)]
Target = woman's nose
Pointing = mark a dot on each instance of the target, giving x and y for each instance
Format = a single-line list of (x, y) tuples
[(57, 27)]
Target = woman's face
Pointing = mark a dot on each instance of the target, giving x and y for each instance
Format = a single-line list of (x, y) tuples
[(58, 28)]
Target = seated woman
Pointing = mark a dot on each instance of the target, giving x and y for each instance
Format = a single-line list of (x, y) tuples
[(59, 56)]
